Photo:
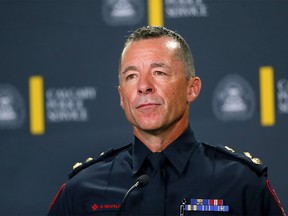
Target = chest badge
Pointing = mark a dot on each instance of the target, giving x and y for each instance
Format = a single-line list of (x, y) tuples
[(206, 205), (93, 207)]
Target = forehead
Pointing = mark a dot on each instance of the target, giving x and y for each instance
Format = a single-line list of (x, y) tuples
[(156, 44), (157, 52)]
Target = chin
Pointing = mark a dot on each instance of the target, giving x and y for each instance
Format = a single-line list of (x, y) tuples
[(149, 126)]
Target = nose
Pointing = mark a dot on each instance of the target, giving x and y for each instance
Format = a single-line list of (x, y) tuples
[(145, 85)]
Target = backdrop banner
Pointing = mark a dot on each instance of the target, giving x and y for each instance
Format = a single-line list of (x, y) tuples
[(59, 102)]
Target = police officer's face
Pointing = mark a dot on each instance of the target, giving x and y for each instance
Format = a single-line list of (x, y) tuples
[(154, 92)]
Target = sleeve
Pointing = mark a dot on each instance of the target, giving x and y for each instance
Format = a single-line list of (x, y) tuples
[(58, 205), (266, 201)]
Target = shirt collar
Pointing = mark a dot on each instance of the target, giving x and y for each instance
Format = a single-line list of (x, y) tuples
[(178, 152), (139, 152)]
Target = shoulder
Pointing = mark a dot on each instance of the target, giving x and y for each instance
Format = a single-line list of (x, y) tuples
[(244, 159), (106, 155)]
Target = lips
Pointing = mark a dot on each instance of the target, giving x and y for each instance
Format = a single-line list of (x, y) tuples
[(147, 105), (146, 102)]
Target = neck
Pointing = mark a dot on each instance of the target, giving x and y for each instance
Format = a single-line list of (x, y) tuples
[(158, 140)]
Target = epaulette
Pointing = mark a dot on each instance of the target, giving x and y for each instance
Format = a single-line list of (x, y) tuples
[(90, 161), (254, 163)]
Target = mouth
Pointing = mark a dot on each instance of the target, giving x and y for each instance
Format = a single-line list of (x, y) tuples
[(147, 105)]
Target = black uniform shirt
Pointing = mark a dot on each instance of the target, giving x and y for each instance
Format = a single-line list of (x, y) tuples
[(193, 171)]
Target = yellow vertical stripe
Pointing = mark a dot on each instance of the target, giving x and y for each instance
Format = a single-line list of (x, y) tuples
[(36, 94), (155, 13), (267, 101)]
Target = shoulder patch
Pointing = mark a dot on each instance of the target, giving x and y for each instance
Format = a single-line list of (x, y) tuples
[(90, 161), (254, 163)]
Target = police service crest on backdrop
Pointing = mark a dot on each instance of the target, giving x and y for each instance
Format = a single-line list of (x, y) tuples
[(122, 12), (233, 99), (12, 107)]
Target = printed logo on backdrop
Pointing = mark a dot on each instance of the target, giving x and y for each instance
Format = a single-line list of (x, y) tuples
[(282, 95), (233, 99), (122, 12), (12, 107), (69, 104), (185, 8)]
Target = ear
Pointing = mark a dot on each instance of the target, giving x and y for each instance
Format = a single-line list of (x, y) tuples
[(193, 89), (121, 98)]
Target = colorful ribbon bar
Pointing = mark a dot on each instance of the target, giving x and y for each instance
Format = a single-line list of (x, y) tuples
[(212, 202), (219, 208)]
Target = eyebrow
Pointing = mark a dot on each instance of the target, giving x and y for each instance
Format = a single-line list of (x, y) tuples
[(131, 67), (153, 65), (156, 64)]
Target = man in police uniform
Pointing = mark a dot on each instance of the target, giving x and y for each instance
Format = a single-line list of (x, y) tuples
[(185, 177)]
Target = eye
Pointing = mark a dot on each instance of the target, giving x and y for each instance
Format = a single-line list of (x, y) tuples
[(159, 73), (130, 76)]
